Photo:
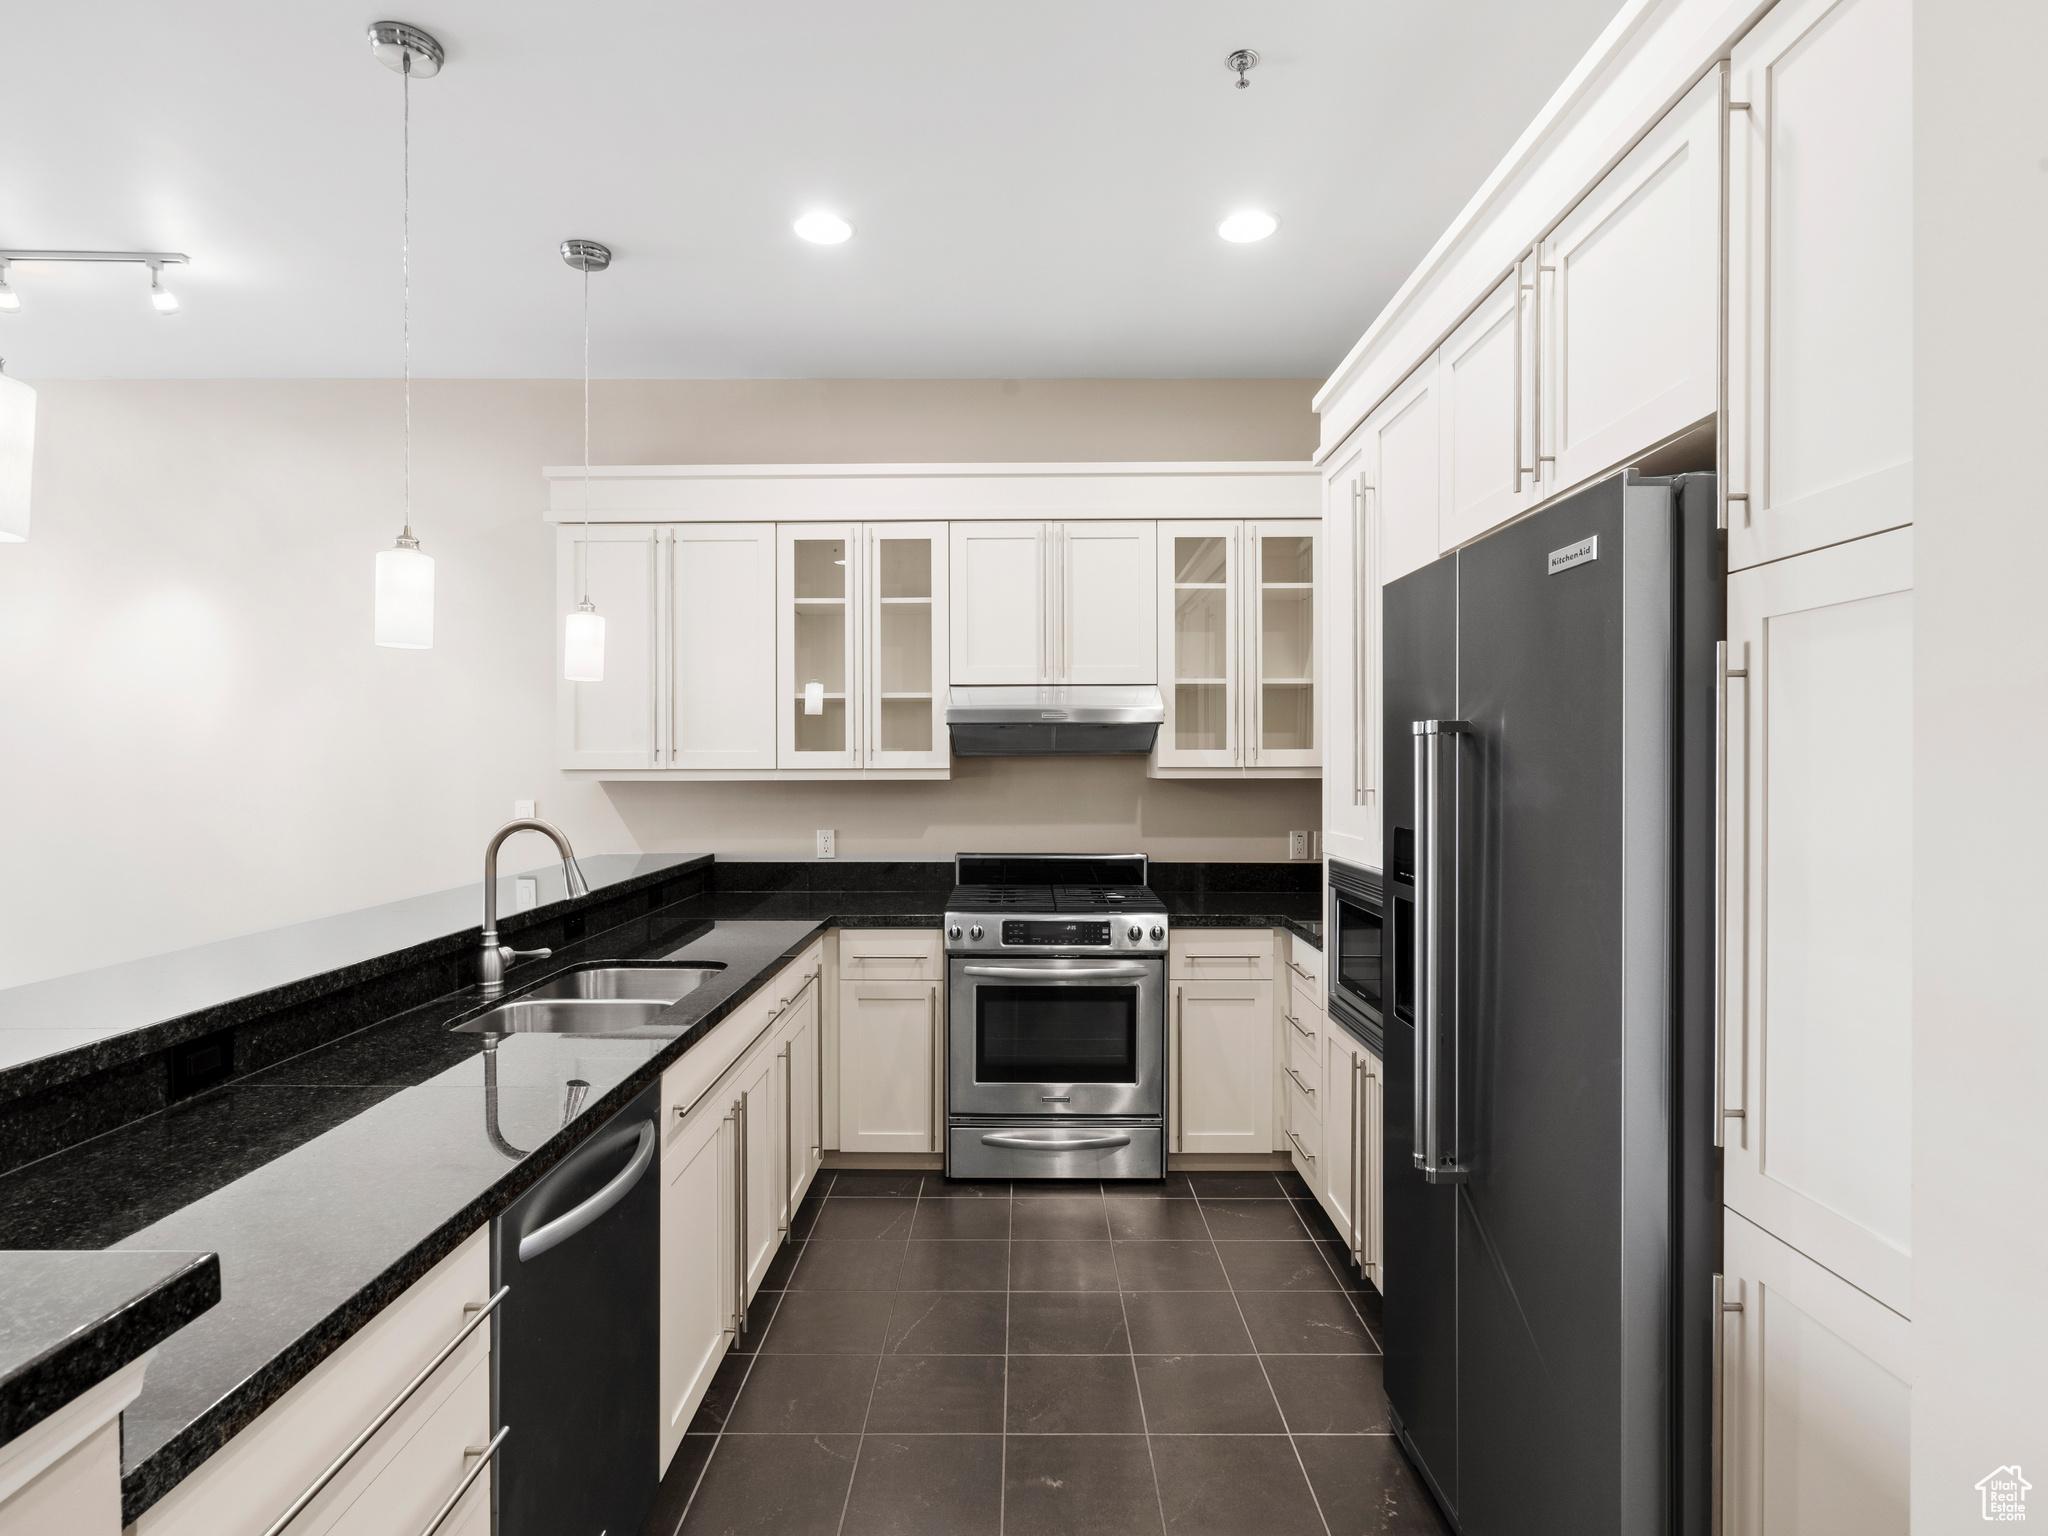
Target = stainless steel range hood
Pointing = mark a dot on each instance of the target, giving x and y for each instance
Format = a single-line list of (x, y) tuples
[(1032, 721)]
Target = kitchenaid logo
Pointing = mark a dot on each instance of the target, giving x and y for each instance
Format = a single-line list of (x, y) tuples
[(1574, 554), (2005, 1494)]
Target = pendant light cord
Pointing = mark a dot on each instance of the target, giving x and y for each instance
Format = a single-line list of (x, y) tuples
[(405, 268), (586, 435)]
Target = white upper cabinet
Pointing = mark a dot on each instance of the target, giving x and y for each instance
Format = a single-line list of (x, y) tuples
[(1053, 603), (1238, 631), (818, 577), (1817, 1027), (1403, 465), (719, 611), (1200, 606), (611, 723), (903, 646), (1351, 649), (1629, 323), (999, 603), (1486, 371), (1820, 281), (1280, 589), (1103, 603)]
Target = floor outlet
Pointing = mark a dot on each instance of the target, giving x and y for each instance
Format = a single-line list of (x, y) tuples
[(828, 843)]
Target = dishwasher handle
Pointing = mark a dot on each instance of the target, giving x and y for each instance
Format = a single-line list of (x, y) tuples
[(566, 1226)]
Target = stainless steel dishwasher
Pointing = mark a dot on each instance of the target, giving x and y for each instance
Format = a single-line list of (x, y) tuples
[(575, 1367)]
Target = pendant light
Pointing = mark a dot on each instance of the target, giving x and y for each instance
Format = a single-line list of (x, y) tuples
[(583, 630), (17, 455), (405, 577)]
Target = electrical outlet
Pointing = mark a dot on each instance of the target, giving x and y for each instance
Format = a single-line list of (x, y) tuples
[(522, 810), (828, 843), (529, 894), (1297, 845)]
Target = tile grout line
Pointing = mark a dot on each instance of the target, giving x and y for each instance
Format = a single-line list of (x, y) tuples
[(881, 1353), (1260, 1356), (1131, 1347), (719, 1439), (1003, 1426), (1344, 1290)]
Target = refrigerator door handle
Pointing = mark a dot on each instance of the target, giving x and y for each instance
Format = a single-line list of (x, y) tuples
[(1437, 1157)]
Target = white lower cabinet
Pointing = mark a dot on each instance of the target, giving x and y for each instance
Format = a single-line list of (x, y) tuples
[(1815, 1397), (403, 1475), (891, 1054), (696, 1266), (1220, 1044)]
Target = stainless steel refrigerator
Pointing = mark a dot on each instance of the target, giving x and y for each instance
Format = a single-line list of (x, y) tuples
[(1552, 1189)]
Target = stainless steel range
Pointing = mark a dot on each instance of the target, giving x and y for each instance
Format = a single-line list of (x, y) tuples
[(1055, 1019)]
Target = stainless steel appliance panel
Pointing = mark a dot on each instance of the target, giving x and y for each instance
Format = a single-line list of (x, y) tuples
[(1037, 1150), (1044, 1036)]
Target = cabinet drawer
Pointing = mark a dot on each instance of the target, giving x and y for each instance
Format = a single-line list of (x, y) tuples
[(1304, 963), (1304, 1092), (684, 1085), (1304, 1133), (243, 1487), (1304, 1053), (1301, 1018), (1223, 954), (891, 954)]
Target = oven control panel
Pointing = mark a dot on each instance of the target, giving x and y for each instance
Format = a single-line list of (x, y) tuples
[(1142, 933)]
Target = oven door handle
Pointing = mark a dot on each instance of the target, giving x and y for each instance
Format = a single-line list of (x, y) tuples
[(1038, 973), (1019, 1143)]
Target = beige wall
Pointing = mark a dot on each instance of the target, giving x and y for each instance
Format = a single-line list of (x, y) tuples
[(198, 739)]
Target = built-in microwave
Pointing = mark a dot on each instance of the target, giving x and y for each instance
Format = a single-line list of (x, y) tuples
[(1356, 938)]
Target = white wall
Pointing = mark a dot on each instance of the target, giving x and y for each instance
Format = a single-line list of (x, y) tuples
[(198, 739), (1980, 1108)]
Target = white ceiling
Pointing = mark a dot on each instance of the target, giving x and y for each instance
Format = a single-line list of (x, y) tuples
[(1034, 187)]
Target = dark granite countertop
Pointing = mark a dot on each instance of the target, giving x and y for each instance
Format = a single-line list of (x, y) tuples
[(73, 1319), (329, 1183)]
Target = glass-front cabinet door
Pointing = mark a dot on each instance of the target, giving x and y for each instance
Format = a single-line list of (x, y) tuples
[(818, 582), (1280, 592), (1199, 645), (903, 670)]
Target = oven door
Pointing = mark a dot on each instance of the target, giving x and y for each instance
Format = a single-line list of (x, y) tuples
[(1042, 1036)]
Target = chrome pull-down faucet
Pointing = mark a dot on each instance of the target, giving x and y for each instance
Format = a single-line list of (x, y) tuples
[(495, 956)]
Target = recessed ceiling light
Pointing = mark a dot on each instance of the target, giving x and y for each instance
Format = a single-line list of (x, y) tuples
[(824, 228), (1246, 226)]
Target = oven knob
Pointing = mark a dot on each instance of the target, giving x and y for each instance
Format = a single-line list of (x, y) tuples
[(1158, 933), (974, 932), (1136, 933), (953, 932)]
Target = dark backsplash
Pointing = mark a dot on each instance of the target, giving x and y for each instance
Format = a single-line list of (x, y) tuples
[(48, 1105)]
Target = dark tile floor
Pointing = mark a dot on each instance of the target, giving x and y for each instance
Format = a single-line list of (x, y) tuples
[(1192, 1359)]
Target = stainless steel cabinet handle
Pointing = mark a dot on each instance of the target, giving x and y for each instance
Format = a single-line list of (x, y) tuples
[(1304, 1087), (788, 1114), (1305, 975), (1176, 1134), (864, 958), (1222, 957), (1356, 1164), (1304, 1151), (743, 1264), (1725, 674), (739, 1217), (1048, 973), (1717, 1435), (1437, 1155), (1303, 1030), (1016, 1143), (299, 1504), (484, 1458)]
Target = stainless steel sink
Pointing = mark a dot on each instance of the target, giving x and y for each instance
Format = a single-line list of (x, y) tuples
[(567, 1016), (644, 983)]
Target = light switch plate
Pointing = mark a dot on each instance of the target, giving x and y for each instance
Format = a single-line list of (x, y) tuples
[(828, 843), (522, 810), (529, 894)]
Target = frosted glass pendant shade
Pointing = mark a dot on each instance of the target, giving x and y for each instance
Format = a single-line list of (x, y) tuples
[(17, 454), (583, 646), (405, 597)]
